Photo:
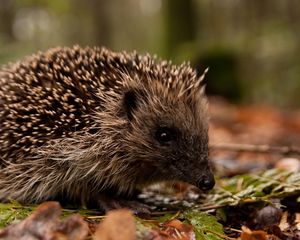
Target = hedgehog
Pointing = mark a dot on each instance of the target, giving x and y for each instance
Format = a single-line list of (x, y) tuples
[(92, 125)]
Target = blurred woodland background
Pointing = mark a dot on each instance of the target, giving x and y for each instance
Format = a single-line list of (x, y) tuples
[(252, 47)]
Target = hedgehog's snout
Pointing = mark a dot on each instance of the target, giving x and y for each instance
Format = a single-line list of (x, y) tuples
[(206, 182)]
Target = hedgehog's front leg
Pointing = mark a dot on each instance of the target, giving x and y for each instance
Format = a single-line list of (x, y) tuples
[(107, 202)]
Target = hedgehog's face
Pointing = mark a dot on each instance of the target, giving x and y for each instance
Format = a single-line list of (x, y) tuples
[(170, 139)]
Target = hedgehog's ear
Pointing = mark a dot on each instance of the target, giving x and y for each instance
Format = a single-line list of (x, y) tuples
[(129, 103)]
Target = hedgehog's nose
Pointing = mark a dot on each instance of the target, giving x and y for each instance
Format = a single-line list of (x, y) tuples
[(206, 182)]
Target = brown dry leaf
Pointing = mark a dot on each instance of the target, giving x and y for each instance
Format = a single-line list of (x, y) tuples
[(73, 227), (247, 234), (176, 230), (119, 224), (297, 221), (284, 225), (44, 224)]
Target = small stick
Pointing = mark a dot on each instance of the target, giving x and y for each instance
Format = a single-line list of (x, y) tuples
[(284, 150), (234, 230), (211, 207)]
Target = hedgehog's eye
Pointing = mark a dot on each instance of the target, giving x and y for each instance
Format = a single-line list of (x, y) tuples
[(164, 135)]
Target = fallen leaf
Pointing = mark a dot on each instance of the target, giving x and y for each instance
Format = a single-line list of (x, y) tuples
[(206, 226), (247, 234), (297, 221), (177, 230), (119, 224), (284, 225), (44, 224)]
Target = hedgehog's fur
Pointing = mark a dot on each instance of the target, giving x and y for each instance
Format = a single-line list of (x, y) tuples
[(75, 122)]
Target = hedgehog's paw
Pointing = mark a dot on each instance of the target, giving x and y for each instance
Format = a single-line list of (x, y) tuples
[(107, 203)]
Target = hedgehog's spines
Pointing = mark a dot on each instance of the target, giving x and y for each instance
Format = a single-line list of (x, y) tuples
[(54, 104)]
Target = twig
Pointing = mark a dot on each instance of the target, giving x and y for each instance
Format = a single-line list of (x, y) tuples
[(211, 207), (234, 230), (162, 213), (95, 217), (284, 150)]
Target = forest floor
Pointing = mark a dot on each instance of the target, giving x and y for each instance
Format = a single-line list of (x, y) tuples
[(256, 155)]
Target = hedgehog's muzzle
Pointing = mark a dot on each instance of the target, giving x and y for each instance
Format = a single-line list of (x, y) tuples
[(206, 181)]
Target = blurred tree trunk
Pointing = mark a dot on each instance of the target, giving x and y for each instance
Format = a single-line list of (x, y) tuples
[(181, 24), (6, 20), (94, 21), (100, 11)]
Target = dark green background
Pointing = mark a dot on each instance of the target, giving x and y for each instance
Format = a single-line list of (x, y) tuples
[(252, 47)]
